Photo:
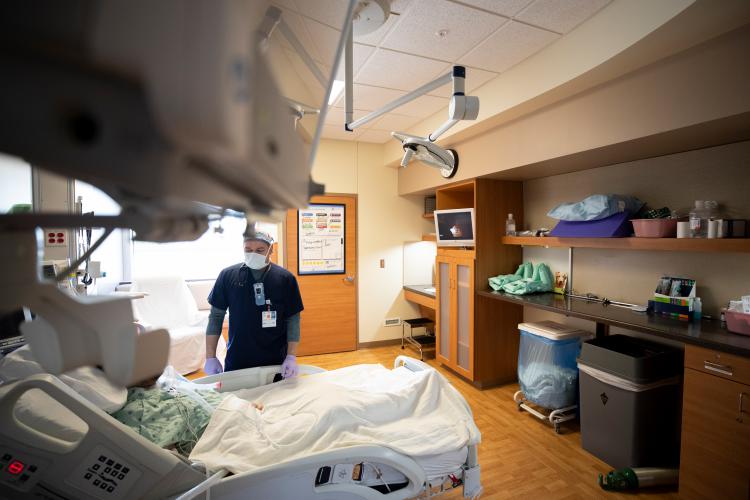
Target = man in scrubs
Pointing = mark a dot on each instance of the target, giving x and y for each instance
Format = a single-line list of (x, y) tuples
[(264, 313)]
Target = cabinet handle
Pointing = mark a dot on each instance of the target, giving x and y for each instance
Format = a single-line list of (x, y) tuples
[(741, 412), (717, 368)]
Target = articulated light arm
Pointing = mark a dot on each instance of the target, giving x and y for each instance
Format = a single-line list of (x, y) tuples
[(439, 82)]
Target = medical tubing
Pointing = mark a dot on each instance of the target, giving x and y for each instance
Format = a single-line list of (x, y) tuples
[(378, 474), (204, 486), (65, 272)]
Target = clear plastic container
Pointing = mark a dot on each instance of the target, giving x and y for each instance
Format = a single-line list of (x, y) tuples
[(510, 226), (547, 369), (700, 215)]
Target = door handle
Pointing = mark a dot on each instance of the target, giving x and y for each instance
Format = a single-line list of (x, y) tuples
[(348, 279)]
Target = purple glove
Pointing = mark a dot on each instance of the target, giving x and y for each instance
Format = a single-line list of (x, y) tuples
[(289, 367), (212, 366)]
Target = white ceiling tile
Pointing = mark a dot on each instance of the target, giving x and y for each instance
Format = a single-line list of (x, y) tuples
[(361, 54), (416, 31), (305, 75), (286, 4), (330, 12), (378, 136), (508, 8), (337, 117), (325, 40), (510, 45), (393, 121), (560, 15), (371, 98), (395, 70), (475, 78), (334, 132), (424, 106), (297, 25)]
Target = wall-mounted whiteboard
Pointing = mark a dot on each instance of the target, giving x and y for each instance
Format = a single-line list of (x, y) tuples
[(321, 231)]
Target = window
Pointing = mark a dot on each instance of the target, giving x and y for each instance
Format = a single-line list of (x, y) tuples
[(15, 183), (201, 259), (123, 258), (112, 252)]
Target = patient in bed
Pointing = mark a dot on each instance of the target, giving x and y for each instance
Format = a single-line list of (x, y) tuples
[(168, 417)]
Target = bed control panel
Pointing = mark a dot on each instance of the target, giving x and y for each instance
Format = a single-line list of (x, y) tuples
[(104, 474), (18, 470)]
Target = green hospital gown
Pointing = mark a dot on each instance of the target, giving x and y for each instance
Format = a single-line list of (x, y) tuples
[(167, 418)]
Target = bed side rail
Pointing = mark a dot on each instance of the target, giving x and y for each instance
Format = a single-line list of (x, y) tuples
[(306, 477), (412, 364), (249, 378), (71, 468)]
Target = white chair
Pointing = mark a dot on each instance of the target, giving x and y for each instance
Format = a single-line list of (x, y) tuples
[(170, 305)]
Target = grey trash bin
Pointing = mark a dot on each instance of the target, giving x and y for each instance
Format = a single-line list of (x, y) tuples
[(630, 401)]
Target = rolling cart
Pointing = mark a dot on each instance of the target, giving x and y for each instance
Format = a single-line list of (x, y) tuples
[(547, 371), (420, 342)]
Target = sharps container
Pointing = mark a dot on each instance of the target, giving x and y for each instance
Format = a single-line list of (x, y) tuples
[(547, 371), (630, 401)]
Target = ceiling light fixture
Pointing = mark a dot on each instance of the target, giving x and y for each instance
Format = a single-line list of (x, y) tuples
[(336, 90)]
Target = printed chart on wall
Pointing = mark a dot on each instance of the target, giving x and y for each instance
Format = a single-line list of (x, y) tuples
[(321, 239)]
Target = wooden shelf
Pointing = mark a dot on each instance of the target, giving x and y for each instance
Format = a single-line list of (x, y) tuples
[(429, 237), (741, 245), (428, 216)]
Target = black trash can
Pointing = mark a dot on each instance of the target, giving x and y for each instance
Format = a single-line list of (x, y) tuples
[(630, 401)]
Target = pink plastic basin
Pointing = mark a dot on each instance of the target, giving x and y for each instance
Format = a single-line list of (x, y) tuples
[(738, 322), (655, 228)]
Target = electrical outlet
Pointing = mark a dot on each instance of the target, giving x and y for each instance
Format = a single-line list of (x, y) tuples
[(392, 322), (55, 237)]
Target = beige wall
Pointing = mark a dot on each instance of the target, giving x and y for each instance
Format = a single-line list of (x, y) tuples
[(675, 181), (385, 221)]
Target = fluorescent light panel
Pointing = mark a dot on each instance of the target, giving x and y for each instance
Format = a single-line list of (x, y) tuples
[(336, 90)]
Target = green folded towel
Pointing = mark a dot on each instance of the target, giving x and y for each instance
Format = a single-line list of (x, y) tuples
[(527, 279)]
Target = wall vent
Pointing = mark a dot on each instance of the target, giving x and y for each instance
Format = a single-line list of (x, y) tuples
[(392, 322)]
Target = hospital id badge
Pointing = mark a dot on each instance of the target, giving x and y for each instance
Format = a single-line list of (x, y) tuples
[(268, 319)]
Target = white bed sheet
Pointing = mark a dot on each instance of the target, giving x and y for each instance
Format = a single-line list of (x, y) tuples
[(415, 413)]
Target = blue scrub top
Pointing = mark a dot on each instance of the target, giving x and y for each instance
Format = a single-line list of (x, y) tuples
[(251, 345)]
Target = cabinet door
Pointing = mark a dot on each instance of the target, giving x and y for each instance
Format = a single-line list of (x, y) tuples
[(464, 338), (443, 294), (715, 452)]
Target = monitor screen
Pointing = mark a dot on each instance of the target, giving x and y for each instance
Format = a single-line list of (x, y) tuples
[(455, 226)]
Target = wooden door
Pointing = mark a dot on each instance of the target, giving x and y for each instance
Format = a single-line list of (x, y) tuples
[(329, 321), (715, 451), (462, 341)]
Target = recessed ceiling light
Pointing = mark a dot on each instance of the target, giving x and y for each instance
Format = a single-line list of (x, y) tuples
[(336, 90)]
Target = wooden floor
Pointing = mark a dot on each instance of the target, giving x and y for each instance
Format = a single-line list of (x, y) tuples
[(520, 456)]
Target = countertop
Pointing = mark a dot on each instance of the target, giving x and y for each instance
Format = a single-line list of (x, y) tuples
[(426, 290), (705, 333)]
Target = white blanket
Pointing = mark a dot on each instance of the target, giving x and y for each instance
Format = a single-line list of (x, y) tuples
[(415, 413)]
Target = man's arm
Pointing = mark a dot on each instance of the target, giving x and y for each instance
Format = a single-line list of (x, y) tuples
[(213, 330), (292, 334)]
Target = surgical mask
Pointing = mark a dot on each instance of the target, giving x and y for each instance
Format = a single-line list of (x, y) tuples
[(255, 260)]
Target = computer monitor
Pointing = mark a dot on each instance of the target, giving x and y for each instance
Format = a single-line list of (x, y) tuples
[(455, 227)]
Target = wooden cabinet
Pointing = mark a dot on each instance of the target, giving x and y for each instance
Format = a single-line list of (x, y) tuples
[(455, 321), (715, 452), (476, 337)]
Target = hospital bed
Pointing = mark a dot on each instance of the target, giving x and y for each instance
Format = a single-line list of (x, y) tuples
[(110, 461)]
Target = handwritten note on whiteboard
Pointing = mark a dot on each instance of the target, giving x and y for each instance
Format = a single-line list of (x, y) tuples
[(321, 240)]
